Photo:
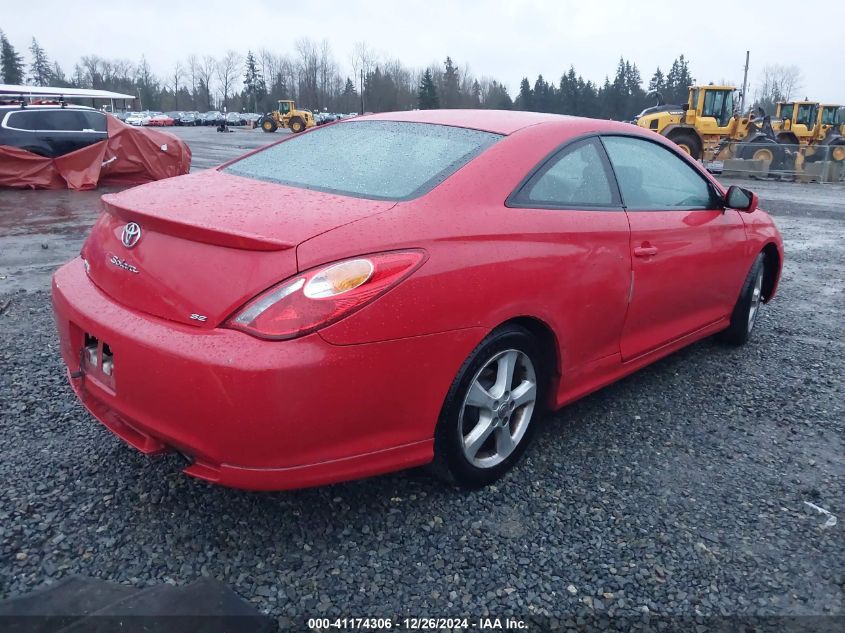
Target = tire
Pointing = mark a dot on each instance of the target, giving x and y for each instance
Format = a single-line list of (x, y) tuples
[(747, 308), (687, 141), (764, 149), (296, 124), (502, 422), (268, 124)]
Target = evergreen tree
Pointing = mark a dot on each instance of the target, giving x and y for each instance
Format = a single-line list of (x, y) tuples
[(678, 81), (11, 62), (451, 94), (40, 71), (497, 97), (657, 82), (427, 96), (349, 98), (525, 98), (476, 94), (255, 88)]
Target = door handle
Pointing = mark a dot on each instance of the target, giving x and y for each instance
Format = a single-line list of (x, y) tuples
[(645, 250)]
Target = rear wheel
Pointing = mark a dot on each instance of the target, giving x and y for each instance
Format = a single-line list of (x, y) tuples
[(763, 149), (491, 409), (747, 308), (687, 141), (296, 124), (268, 124), (837, 149)]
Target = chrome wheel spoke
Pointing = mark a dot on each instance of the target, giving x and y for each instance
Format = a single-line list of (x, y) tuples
[(479, 434), (504, 441), (524, 394), (504, 373), (479, 397)]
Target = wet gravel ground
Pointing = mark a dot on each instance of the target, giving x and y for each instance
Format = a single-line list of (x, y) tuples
[(680, 490)]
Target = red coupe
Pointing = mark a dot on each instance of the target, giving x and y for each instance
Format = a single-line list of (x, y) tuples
[(401, 289)]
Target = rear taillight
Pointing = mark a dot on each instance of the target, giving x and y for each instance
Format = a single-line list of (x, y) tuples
[(322, 296)]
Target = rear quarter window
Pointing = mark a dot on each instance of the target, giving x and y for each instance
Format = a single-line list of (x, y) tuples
[(384, 160), (57, 120)]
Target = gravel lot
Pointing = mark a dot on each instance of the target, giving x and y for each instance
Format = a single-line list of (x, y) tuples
[(680, 490)]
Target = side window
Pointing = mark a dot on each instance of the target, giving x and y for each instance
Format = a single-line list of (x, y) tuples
[(58, 120), (93, 121), (23, 120), (577, 177), (652, 177)]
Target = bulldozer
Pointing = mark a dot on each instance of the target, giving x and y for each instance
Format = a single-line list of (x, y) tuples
[(287, 116)]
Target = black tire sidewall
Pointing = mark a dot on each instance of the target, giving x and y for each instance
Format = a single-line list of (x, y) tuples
[(447, 441), (737, 332)]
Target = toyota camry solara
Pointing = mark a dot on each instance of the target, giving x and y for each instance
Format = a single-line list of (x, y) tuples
[(401, 289)]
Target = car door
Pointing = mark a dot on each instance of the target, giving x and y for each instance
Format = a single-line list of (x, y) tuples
[(572, 199), (686, 247)]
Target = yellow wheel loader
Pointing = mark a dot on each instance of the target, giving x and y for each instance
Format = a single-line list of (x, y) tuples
[(707, 127), (287, 116)]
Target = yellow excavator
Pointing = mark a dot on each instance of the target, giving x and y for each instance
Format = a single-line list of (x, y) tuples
[(287, 116)]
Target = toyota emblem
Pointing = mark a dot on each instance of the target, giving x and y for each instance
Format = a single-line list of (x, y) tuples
[(131, 235)]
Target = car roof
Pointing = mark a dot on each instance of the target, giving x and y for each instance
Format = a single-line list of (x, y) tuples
[(497, 121)]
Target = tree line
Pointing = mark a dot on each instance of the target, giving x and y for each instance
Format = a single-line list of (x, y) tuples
[(312, 77)]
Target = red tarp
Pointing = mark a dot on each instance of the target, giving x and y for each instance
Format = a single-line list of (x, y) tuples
[(129, 156)]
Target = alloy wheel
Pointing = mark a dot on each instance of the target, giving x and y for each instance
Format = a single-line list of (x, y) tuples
[(497, 408)]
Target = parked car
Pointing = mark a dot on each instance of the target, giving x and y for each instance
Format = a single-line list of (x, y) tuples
[(189, 118), (176, 116), (161, 120), (235, 118), (138, 118), (212, 118), (401, 289), (63, 146), (51, 130), (121, 116)]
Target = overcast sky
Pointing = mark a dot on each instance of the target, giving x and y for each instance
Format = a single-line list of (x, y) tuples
[(502, 39)]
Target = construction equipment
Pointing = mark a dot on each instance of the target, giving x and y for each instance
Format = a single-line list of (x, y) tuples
[(815, 125), (287, 116), (699, 126)]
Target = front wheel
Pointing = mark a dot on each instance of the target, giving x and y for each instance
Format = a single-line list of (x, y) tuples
[(490, 412), (747, 308), (268, 124)]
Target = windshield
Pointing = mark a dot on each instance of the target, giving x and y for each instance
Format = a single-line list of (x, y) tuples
[(806, 114), (718, 104), (383, 160), (829, 115)]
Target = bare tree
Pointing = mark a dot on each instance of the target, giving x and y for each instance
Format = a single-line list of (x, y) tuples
[(307, 72), (228, 72), (175, 78), (193, 76), (205, 74), (777, 83)]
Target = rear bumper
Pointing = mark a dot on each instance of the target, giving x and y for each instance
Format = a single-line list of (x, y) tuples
[(257, 414)]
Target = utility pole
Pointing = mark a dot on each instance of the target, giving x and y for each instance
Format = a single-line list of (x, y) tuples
[(744, 85), (362, 90)]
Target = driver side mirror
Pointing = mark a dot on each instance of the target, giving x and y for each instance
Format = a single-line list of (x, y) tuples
[(741, 199)]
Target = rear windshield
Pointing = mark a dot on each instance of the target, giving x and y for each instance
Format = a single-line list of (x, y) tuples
[(384, 160)]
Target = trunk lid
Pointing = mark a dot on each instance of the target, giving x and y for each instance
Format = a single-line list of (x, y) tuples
[(208, 242)]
